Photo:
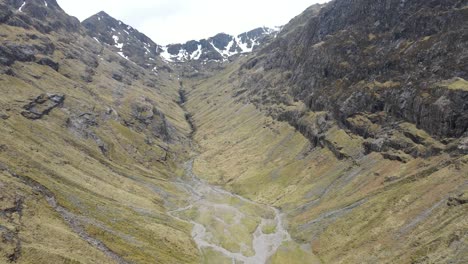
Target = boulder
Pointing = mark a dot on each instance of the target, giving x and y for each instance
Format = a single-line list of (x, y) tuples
[(117, 77)]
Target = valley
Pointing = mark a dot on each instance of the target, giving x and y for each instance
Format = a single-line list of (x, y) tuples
[(338, 138)]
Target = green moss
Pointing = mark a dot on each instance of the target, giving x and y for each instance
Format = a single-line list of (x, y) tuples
[(269, 228), (455, 84), (292, 253)]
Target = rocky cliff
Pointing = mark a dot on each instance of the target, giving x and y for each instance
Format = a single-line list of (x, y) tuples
[(370, 65)]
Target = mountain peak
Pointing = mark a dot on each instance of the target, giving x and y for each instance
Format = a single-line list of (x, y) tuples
[(124, 39), (43, 15), (102, 13)]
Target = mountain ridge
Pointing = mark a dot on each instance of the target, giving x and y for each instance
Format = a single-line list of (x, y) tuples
[(219, 47), (128, 42), (347, 128)]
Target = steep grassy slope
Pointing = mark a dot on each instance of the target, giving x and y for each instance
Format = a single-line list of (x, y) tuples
[(89, 146), (363, 208)]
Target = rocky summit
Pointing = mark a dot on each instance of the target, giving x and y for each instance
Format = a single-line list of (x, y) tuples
[(340, 137), (128, 42)]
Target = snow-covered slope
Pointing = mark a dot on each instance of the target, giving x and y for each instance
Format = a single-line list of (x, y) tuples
[(137, 47), (218, 48), (126, 40)]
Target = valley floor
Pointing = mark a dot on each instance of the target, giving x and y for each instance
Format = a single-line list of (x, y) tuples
[(231, 229)]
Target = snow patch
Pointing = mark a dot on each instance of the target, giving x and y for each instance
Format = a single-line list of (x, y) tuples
[(197, 54), (122, 55), (245, 45), (116, 41), (166, 55), (45, 3), (218, 50), (228, 52), (21, 7), (97, 40), (147, 50), (182, 56)]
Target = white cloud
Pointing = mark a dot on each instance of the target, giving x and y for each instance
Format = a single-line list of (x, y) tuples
[(174, 21)]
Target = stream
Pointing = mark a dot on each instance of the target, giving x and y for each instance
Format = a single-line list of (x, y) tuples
[(227, 226)]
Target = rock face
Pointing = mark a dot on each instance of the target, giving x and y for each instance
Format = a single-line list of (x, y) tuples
[(43, 15), (457, 201), (148, 117), (14, 52), (399, 60), (124, 39), (42, 105), (11, 208), (220, 47), (49, 62)]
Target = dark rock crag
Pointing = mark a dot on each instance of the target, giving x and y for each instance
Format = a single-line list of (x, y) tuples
[(370, 65), (42, 105)]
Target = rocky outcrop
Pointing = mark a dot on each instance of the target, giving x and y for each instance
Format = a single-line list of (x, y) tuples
[(42, 105), (11, 210), (117, 76), (145, 116), (4, 115), (14, 52), (49, 62), (371, 66), (43, 15), (463, 146), (460, 199), (83, 125)]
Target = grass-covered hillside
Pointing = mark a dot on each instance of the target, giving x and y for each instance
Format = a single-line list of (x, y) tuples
[(343, 139)]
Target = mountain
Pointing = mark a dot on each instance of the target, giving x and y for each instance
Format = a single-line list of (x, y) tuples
[(341, 138), (137, 47), (346, 66), (89, 142), (220, 47), (43, 15), (124, 39)]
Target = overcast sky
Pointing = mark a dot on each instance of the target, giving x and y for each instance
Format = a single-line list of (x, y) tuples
[(176, 21)]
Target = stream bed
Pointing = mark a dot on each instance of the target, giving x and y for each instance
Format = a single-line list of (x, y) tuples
[(228, 228)]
